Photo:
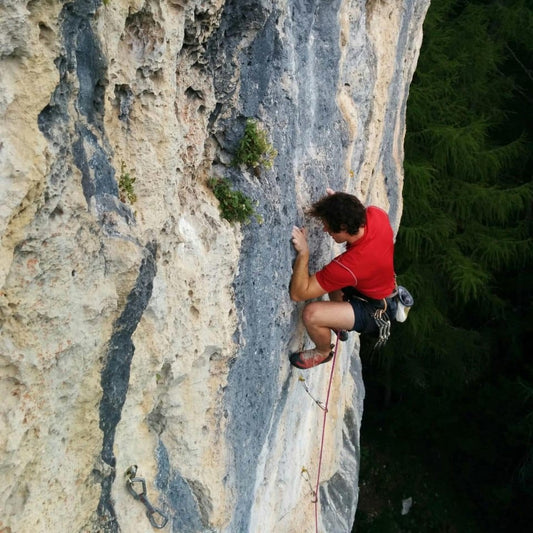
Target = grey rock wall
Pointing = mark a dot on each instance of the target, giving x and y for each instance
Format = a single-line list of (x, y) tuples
[(153, 332)]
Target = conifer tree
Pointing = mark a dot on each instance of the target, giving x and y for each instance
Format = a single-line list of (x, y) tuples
[(457, 374), (466, 196)]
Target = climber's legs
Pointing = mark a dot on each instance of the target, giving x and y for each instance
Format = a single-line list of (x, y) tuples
[(321, 317)]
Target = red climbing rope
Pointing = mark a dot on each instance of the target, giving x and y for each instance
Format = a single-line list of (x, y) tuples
[(323, 433)]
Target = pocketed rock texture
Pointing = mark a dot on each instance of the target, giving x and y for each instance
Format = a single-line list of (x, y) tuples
[(138, 327)]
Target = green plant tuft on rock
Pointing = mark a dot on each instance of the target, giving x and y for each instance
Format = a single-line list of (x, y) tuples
[(125, 185), (234, 205), (254, 149)]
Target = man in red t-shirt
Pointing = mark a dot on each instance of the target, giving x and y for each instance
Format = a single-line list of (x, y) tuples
[(357, 281)]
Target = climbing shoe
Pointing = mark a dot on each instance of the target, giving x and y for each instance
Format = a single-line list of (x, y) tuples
[(342, 334), (309, 358)]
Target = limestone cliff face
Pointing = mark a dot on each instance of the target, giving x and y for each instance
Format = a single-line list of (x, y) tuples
[(153, 332)]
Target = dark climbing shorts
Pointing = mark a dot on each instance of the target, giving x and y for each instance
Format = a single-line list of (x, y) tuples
[(364, 315), (364, 321)]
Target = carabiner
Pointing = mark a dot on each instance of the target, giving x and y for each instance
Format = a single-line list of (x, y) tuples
[(157, 518)]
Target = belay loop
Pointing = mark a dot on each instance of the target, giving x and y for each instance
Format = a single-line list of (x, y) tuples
[(137, 488)]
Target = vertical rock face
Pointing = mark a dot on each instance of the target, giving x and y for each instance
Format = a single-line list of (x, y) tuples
[(137, 326)]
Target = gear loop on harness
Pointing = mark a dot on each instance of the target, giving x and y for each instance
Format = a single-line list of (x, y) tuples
[(137, 488)]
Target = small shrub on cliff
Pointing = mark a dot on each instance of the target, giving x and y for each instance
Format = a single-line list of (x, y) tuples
[(125, 185), (234, 205), (254, 149)]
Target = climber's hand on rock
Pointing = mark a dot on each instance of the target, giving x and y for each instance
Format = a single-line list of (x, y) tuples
[(299, 240)]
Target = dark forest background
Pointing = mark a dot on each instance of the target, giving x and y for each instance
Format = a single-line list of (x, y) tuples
[(448, 418)]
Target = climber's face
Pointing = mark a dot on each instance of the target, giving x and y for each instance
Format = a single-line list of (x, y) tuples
[(338, 237), (343, 236)]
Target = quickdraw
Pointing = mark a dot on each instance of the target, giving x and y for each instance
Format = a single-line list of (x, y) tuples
[(306, 476), (156, 517), (383, 323), (320, 404)]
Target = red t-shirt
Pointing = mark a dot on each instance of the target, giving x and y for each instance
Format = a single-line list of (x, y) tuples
[(368, 263)]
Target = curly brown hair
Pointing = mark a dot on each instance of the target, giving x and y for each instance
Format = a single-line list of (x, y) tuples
[(341, 212)]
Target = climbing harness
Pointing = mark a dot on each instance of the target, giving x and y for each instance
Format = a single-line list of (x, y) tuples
[(393, 308), (315, 501), (156, 517), (320, 404)]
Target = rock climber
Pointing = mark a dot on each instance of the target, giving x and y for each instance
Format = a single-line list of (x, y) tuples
[(357, 281)]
